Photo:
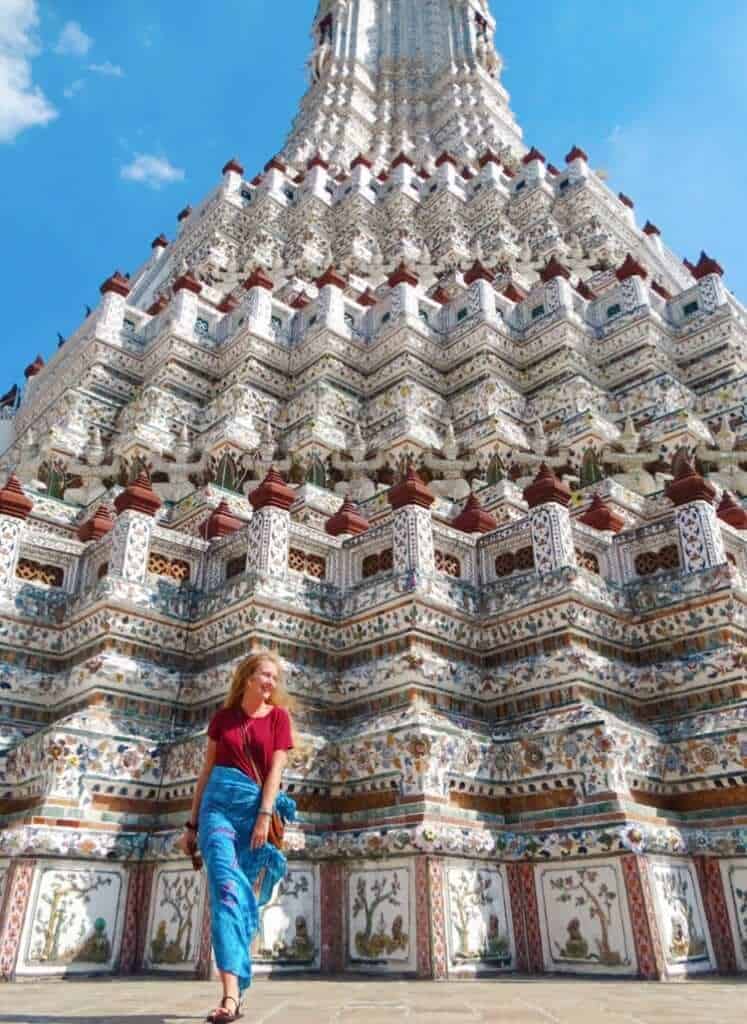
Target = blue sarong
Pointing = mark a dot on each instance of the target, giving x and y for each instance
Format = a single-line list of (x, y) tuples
[(240, 880)]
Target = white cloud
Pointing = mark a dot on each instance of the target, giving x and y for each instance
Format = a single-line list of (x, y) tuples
[(22, 104), (107, 68), (153, 171), (71, 90), (73, 41)]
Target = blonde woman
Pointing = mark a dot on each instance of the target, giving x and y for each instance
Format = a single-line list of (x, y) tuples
[(236, 793)]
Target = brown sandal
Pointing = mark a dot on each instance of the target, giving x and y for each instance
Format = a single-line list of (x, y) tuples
[(216, 1017)]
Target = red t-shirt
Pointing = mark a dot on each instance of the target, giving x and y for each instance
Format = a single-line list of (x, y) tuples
[(232, 730)]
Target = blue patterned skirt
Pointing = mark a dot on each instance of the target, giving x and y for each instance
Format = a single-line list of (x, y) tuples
[(240, 880)]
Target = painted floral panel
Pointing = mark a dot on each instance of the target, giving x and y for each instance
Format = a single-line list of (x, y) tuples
[(584, 918), (684, 932), (76, 920), (176, 913), (479, 930), (289, 924), (380, 918), (734, 875)]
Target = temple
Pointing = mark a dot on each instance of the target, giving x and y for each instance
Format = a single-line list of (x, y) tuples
[(443, 424)]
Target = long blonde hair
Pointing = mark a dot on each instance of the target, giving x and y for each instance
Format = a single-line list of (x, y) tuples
[(244, 672)]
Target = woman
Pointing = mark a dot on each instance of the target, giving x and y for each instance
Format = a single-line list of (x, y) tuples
[(236, 791)]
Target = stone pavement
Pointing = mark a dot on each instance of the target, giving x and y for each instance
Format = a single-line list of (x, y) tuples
[(362, 1001)]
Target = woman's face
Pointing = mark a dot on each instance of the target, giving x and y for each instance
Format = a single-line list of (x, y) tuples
[(263, 682)]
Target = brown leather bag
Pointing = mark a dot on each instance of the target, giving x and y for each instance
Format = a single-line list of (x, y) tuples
[(276, 833)]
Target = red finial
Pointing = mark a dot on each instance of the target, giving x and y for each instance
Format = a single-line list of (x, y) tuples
[(660, 290), (576, 154), (441, 296), (187, 282), (473, 518), (546, 487), (513, 292), (273, 492), (98, 525), (347, 519), (33, 368), (601, 517), (276, 164), (221, 522), (183, 214), (410, 491), (585, 291), (300, 301), (688, 485), (402, 158), (553, 269), (367, 298), (402, 275), (626, 200), (732, 512), (706, 266), (331, 277), (228, 303), (160, 242), (233, 165), (138, 497), (477, 272), (446, 158), (13, 501), (158, 306), (489, 157), (650, 229), (259, 279), (630, 268), (117, 283), (317, 160), (532, 155), (361, 161)]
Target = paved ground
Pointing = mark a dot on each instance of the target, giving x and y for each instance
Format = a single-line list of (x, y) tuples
[(545, 1001)]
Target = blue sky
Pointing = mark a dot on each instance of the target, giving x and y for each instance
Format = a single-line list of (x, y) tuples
[(114, 116)]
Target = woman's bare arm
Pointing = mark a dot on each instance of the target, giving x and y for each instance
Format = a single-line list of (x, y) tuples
[(269, 792), (202, 778)]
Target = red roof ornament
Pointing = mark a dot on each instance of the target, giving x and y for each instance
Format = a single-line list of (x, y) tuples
[(183, 214), (228, 303), (732, 512), (276, 164), (98, 525), (532, 155), (410, 491), (626, 200), (446, 158), (688, 265), (552, 169), (317, 160), (256, 180), (402, 158), (513, 292), (233, 165), (159, 242), (221, 522), (473, 518), (630, 268), (13, 501), (361, 161), (300, 301), (33, 368), (259, 279), (489, 157), (138, 497), (403, 275), (187, 282), (576, 154), (706, 266), (441, 296), (158, 306), (599, 516), (553, 269), (546, 487), (467, 173), (273, 492), (117, 284), (333, 278), (367, 298), (478, 272), (650, 229), (347, 519), (688, 485), (585, 291), (660, 290)]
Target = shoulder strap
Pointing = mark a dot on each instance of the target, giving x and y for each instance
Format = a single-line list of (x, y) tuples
[(253, 763)]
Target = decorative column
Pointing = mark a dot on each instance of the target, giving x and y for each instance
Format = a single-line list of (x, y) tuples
[(330, 304), (701, 544), (412, 529), (269, 527), (134, 935), (15, 507), (259, 303), (233, 175), (332, 908), (111, 312), (481, 292), (558, 291), (717, 913), (405, 303), (136, 506), (12, 914), (552, 540)]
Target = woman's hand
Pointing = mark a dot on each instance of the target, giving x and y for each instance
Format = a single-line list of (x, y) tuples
[(260, 832), (187, 842)]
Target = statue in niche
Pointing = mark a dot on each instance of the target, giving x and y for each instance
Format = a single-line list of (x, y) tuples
[(728, 473), (322, 55)]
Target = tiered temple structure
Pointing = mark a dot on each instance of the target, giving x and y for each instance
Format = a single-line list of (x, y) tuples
[(444, 425)]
